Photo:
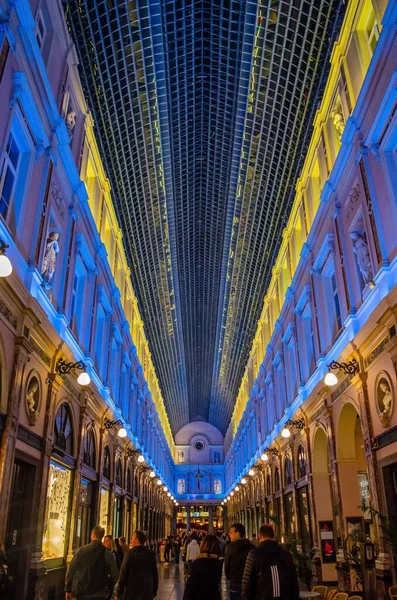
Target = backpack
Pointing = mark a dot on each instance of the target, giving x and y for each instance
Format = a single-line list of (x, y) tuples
[(273, 577), (94, 574)]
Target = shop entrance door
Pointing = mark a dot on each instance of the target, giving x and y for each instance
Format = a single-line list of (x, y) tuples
[(20, 535)]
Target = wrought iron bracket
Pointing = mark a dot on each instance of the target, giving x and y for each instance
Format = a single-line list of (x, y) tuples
[(3, 246), (350, 368), (108, 424), (299, 423), (63, 367)]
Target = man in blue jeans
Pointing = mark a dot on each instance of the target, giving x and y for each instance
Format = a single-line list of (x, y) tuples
[(235, 557)]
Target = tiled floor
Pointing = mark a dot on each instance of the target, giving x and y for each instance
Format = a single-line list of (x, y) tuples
[(172, 583)]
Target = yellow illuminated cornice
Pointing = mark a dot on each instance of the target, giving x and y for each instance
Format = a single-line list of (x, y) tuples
[(106, 212)]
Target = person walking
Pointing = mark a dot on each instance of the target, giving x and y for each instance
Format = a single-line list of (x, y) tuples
[(92, 572), (204, 581), (138, 575), (177, 550), (119, 554), (235, 557), (269, 571), (193, 550)]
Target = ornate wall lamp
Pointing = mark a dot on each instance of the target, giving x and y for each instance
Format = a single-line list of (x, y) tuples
[(108, 424), (299, 424), (5, 263), (265, 456), (64, 368), (349, 368)]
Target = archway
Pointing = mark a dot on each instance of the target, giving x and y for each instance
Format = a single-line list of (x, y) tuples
[(352, 466), (323, 502)]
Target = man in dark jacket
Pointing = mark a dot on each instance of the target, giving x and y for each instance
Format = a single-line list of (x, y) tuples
[(269, 571), (92, 572), (235, 557), (138, 574)]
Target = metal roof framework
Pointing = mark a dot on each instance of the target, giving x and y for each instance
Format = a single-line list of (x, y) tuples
[(203, 110)]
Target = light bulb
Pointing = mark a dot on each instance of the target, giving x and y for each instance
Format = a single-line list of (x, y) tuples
[(141, 459), (152, 474), (243, 481), (165, 488), (84, 379), (159, 482), (169, 494), (236, 489), (5, 266), (265, 457), (330, 379), (122, 432), (232, 493), (251, 472), (286, 433), (177, 503)]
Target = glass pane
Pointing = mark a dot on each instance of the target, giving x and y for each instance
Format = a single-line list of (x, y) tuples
[(58, 494), (13, 151), (6, 192)]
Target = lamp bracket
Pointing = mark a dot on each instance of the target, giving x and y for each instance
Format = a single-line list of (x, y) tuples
[(3, 246), (350, 368), (299, 423), (108, 424), (272, 451), (63, 367)]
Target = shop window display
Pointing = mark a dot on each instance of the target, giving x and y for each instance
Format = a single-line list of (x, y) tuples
[(104, 509), (58, 496)]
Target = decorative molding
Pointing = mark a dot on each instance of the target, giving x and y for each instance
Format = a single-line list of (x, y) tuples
[(8, 315)]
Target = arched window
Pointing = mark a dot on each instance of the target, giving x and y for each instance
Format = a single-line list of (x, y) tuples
[(136, 484), (119, 474), (63, 429), (301, 462), (89, 456), (287, 471), (106, 462), (277, 484), (129, 482), (268, 483)]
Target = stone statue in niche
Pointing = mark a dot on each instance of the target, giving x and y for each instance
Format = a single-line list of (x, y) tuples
[(338, 120), (181, 486), (70, 121), (181, 456), (363, 258), (217, 486), (32, 400), (50, 257)]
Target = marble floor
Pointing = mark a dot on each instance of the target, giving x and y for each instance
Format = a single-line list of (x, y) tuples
[(172, 583)]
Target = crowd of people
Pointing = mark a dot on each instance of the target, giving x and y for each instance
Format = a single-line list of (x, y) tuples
[(108, 568)]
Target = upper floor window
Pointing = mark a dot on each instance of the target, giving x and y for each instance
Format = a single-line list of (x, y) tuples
[(9, 173), (301, 461), (14, 170), (119, 474), (106, 462), (44, 30), (89, 457), (41, 31), (287, 471), (63, 429)]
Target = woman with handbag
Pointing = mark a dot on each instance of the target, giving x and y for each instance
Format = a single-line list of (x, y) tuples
[(204, 579)]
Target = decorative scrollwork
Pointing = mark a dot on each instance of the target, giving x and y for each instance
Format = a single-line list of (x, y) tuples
[(350, 367), (63, 367)]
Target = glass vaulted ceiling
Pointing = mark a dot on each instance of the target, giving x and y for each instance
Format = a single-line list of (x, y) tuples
[(203, 111)]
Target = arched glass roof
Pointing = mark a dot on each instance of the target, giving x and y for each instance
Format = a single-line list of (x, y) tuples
[(203, 110)]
